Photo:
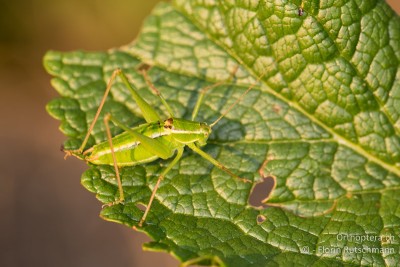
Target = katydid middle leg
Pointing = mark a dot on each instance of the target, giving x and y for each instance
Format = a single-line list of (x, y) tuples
[(160, 178), (109, 137), (152, 145)]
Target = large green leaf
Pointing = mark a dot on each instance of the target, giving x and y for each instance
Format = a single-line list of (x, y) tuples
[(325, 120)]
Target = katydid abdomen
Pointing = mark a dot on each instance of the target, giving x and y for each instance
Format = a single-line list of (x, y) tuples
[(129, 151)]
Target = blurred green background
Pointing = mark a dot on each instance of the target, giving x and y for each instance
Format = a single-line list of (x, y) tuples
[(47, 217)]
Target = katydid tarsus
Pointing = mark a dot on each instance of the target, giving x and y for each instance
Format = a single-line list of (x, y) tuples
[(155, 139)]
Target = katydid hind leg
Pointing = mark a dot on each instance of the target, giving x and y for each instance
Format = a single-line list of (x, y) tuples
[(160, 178), (96, 117), (148, 112)]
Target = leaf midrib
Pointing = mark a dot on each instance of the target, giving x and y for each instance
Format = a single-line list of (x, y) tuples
[(338, 138)]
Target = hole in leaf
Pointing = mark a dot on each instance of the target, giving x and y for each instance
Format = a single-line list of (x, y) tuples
[(260, 219), (261, 191)]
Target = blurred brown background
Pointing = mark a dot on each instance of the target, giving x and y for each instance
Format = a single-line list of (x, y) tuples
[(47, 217)]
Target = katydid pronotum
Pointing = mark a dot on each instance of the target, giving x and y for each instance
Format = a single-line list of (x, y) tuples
[(147, 142)]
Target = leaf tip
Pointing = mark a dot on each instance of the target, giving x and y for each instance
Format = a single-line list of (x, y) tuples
[(52, 62)]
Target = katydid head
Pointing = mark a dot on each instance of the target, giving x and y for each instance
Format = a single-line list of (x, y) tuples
[(205, 130)]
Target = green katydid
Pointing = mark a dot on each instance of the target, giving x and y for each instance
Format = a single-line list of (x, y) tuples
[(155, 139)]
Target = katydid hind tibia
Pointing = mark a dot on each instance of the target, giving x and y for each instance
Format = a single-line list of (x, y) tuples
[(155, 139)]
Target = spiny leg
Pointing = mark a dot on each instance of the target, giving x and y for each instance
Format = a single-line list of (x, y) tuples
[(103, 100), (160, 178), (109, 137), (216, 163), (148, 112)]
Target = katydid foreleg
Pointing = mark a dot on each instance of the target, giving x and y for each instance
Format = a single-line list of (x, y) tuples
[(215, 162)]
